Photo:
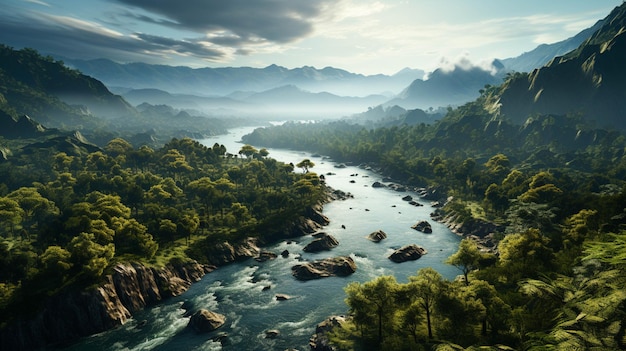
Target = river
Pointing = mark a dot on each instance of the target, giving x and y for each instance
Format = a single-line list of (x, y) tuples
[(237, 290)]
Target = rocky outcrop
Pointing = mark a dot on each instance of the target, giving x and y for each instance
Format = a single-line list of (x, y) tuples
[(423, 226), (377, 236), (265, 256), (225, 252), (323, 242), (480, 231), (205, 321), (335, 266), (319, 341), (407, 253), (77, 313)]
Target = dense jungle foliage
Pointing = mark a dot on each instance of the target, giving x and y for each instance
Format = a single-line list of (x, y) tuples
[(554, 191), (65, 219)]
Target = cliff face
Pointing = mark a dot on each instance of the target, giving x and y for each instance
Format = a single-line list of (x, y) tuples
[(74, 314)]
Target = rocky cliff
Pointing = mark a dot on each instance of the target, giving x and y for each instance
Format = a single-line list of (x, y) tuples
[(75, 313)]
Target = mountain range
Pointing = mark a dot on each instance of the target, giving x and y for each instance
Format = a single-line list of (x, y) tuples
[(232, 90)]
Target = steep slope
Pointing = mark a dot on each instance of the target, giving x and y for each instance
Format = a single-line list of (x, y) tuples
[(590, 81), (544, 53), (53, 94)]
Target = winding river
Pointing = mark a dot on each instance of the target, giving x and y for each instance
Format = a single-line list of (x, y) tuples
[(237, 290)]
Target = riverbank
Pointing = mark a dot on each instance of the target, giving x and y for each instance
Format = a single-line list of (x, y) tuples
[(133, 286)]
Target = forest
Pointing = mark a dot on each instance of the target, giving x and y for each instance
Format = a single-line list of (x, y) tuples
[(554, 191), (65, 220)]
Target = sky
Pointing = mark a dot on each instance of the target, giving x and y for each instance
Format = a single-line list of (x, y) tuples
[(361, 36)]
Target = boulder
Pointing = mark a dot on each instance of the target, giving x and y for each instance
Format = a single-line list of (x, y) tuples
[(205, 321), (272, 334), (378, 185), (265, 255), (282, 297), (335, 266), (285, 253), (320, 341), (423, 226), (377, 236), (323, 242), (407, 253), (407, 198)]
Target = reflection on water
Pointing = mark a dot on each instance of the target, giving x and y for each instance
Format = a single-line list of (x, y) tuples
[(239, 290)]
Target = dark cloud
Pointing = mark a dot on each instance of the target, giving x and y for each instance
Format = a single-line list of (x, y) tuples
[(277, 21), (76, 39)]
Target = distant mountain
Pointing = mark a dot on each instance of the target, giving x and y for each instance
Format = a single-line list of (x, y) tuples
[(292, 100), (182, 101), (445, 88), (544, 53), (282, 102), (589, 81), (224, 81)]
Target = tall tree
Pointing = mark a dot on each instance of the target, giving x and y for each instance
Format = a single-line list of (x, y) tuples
[(427, 287), (467, 258)]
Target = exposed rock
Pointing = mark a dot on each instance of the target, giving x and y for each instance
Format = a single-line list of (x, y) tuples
[(407, 253), (397, 187), (265, 255), (423, 226), (415, 203), (272, 334), (378, 185), (377, 236), (338, 266), (319, 341), (205, 321), (323, 242), (285, 253), (282, 297), (73, 314), (407, 198), (225, 252)]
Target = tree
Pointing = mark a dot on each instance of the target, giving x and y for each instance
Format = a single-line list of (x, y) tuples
[(525, 254), (90, 257), (305, 164), (426, 288), (248, 151), (466, 259), (11, 214), (375, 299)]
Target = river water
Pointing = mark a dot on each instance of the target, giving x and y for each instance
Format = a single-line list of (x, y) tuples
[(237, 290)]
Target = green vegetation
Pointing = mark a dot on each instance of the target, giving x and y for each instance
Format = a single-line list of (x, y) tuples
[(553, 193), (65, 219)]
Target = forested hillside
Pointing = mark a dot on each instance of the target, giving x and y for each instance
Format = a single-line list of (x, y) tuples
[(66, 219)]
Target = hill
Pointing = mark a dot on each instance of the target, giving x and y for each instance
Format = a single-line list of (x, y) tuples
[(448, 87), (38, 85), (589, 82)]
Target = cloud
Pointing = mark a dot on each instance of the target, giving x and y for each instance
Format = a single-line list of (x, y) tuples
[(465, 63), (277, 21), (74, 38)]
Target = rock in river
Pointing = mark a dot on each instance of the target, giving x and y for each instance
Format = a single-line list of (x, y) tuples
[(377, 236), (205, 321), (335, 266), (423, 226), (323, 242), (407, 253)]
